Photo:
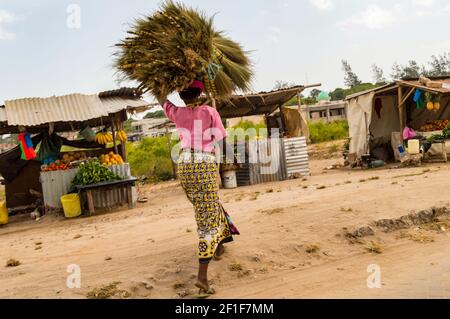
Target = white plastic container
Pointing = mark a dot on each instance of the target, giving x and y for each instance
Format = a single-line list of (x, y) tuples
[(413, 147), (229, 180)]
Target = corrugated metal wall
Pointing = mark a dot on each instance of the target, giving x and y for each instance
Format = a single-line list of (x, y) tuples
[(57, 183), (296, 154), (270, 164), (290, 155)]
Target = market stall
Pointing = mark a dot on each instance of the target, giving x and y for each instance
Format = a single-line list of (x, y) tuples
[(45, 165), (378, 117)]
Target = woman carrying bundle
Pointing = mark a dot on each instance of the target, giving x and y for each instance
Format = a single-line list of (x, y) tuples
[(200, 128)]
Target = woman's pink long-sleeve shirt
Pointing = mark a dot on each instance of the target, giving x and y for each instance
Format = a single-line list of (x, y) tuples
[(198, 127)]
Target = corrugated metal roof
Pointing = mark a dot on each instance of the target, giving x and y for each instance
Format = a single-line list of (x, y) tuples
[(116, 104), (352, 96), (415, 83), (256, 103), (67, 108), (3, 117)]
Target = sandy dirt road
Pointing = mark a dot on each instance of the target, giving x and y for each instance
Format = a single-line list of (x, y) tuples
[(292, 243)]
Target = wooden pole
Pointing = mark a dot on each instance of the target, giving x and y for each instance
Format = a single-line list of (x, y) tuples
[(401, 111), (283, 122), (303, 122), (123, 145), (113, 124)]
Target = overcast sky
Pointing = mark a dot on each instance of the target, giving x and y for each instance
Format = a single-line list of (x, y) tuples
[(44, 52)]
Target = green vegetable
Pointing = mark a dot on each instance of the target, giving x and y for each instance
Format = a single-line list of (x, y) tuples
[(446, 132), (93, 172)]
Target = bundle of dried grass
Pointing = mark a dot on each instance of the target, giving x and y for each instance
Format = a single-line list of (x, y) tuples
[(177, 44)]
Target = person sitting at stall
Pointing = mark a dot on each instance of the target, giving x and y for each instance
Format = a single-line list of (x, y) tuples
[(411, 134)]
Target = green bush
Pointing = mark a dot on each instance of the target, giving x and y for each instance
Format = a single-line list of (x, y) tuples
[(151, 158), (323, 132), (260, 129)]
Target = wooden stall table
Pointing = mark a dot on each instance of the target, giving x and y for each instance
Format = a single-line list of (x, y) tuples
[(89, 189)]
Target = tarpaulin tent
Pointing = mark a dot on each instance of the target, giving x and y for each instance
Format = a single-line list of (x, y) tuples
[(375, 114)]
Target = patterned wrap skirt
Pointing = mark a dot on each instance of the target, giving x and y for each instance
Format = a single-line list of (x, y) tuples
[(198, 173)]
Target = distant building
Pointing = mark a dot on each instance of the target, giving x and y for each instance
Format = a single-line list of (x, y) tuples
[(327, 111), (150, 128)]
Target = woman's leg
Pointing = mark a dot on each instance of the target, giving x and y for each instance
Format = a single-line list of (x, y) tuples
[(203, 275)]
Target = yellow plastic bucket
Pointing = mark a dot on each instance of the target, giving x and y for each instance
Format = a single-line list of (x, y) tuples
[(3, 213), (71, 205)]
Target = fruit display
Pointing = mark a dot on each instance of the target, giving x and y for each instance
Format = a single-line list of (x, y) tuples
[(121, 136), (437, 125), (111, 159), (433, 101), (55, 166), (93, 172), (73, 156), (103, 138)]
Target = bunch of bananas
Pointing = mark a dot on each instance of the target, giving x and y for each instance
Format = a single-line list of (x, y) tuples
[(103, 138), (121, 136)]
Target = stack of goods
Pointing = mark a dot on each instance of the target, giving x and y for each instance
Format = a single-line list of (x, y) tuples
[(69, 160), (93, 172), (165, 52), (73, 156), (440, 137), (111, 159), (56, 166), (437, 125), (121, 136), (103, 138), (433, 102)]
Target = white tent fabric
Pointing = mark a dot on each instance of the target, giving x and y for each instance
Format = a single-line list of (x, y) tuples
[(382, 127), (359, 117)]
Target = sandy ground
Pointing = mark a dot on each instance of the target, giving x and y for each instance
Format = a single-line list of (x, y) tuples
[(291, 244)]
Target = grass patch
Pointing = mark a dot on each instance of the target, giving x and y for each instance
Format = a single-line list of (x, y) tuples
[(273, 211), (374, 247), (12, 262), (418, 237), (235, 267), (151, 158), (312, 249), (108, 291), (323, 132)]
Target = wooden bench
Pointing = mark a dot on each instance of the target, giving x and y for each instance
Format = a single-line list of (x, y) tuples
[(120, 184)]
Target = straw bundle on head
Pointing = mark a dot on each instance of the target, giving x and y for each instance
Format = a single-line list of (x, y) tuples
[(168, 50)]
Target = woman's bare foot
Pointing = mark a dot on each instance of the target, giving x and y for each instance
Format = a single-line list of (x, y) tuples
[(204, 287), (219, 252)]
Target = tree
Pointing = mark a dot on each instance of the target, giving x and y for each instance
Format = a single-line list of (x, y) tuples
[(279, 85), (378, 75), (338, 94), (155, 115), (350, 78), (314, 93), (127, 125), (439, 65), (410, 70)]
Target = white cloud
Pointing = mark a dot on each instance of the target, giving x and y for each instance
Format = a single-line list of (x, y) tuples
[(5, 18), (274, 34), (322, 4), (425, 3), (373, 17)]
